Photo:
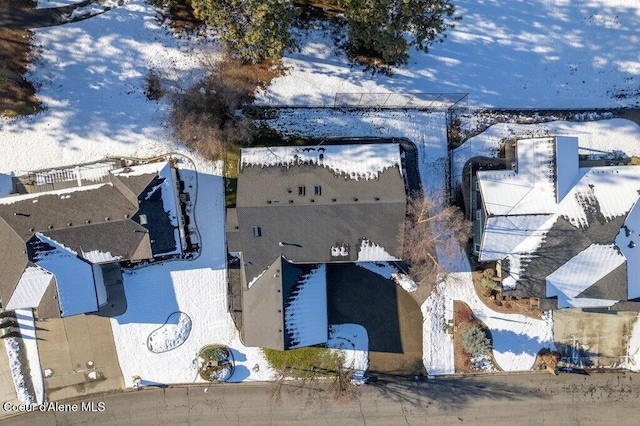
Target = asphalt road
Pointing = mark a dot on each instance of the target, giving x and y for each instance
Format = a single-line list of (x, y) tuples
[(501, 399)]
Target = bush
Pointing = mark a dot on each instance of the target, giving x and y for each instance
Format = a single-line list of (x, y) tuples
[(489, 283), (216, 366), (487, 292), (475, 342), (388, 28), (208, 117)]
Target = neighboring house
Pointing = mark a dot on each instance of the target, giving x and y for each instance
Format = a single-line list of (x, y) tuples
[(57, 242), (297, 209), (560, 232)]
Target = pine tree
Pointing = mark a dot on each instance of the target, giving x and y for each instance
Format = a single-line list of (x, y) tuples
[(388, 28), (253, 29), (475, 342)]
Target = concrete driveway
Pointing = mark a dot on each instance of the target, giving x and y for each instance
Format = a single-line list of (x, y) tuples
[(390, 315), (7, 389), (81, 354), (588, 338)]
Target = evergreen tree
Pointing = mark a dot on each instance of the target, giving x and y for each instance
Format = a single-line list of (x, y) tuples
[(387, 28), (475, 342), (254, 29)]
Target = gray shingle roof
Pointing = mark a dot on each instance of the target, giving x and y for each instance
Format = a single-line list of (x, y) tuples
[(346, 212), (300, 212), (93, 218)]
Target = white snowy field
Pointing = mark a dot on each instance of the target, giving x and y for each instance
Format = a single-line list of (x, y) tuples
[(45, 4), (530, 53), (596, 138)]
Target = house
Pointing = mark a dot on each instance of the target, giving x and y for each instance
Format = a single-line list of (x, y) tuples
[(299, 208), (560, 232), (77, 224)]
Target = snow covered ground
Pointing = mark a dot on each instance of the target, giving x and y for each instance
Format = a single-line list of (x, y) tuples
[(353, 341), (199, 289), (91, 77), (44, 4), (517, 339), (531, 53)]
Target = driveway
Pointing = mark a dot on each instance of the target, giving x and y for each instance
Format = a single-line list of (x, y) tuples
[(81, 354), (392, 318), (590, 338), (7, 389)]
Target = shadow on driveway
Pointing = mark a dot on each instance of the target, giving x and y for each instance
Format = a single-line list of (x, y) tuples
[(390, 315)]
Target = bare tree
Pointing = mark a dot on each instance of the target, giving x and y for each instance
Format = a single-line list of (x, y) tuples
[(432, 226)]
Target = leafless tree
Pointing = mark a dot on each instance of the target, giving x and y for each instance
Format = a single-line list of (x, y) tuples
[(320, 385), (431, 225)]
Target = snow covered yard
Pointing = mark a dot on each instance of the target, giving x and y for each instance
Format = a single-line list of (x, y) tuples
[(533, 53), (197, 288), (91, 77)]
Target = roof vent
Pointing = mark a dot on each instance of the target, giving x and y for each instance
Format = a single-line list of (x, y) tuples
[(312, 200), (290, 201), (268, 201), (355, 199), (50, 226), (377, 198), (69, 224), (334, 200), (126, 215), (31, 229), (87, 221), (107, 218)]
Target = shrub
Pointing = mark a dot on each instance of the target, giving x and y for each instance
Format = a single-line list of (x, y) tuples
[(487, 292), (475, 341), (489, 283), (208, 117)]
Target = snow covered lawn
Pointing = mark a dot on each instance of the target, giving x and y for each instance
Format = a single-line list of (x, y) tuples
[(199, 289), (516, 338), (533, 53)]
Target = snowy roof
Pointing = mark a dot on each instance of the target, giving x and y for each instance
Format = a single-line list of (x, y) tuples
[(506, 235), (628, 241), (358, 161), (523, 206), (305, 317), (309, 214), (74, 277), (566, 165), (102, 222), (30, 289), (527, 191), (581, 272)]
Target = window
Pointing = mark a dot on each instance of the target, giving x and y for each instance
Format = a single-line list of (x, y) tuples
[(257, 232), (317, 190), (301, 190), (477, 247)]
